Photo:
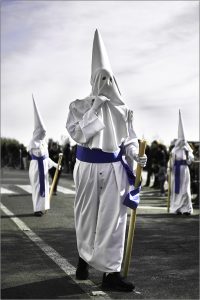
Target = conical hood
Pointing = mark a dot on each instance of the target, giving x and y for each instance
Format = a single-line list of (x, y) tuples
[(39, 128), (181, 135), (100, 58), (181, 142)]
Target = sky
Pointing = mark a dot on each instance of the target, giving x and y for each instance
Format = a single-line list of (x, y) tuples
[(46, 50)]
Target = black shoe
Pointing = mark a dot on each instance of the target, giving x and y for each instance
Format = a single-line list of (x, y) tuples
[(178, 213), (38, 213), (186, 213), (82, 272), (114, 281)]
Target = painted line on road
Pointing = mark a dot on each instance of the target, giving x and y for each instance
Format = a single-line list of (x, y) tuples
[(65, 190), (151, 207), (87, 286), (68, 191), (61, 189), (148, 198), (26, 187), (6, 191)]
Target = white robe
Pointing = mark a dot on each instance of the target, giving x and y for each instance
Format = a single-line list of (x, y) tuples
[(40, 203), (181, 202), (100, 216)]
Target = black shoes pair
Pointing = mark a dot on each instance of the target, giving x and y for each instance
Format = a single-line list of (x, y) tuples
[(38, 213), (112, 281), (185, 213)]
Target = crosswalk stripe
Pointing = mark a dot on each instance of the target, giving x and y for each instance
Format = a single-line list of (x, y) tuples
[(61, 189), (144, 193), (68, 191), (7, 191), (65, 190), (149, 198), (27, 188), (151, 207)]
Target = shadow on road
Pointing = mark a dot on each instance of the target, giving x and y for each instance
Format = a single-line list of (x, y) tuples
[(18, 216), (58, 288)]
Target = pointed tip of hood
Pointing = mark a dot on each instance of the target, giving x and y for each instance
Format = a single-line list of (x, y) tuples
[(100, 58), (181, 134), (39, 127)]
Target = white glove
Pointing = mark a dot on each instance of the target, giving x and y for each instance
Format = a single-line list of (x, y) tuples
[(57, 167), (98, 102), (189, 161), (141, 160)]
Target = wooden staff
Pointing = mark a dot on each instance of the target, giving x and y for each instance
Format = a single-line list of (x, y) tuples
[(169, 184), (132, 223), (55, 176)]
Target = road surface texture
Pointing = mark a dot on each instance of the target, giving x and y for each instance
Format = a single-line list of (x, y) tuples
[(39, 255)]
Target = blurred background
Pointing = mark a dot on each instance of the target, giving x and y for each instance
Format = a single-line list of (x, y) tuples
[(46, 49)]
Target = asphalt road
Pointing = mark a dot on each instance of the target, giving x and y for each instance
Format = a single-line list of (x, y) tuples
[(39, 255)]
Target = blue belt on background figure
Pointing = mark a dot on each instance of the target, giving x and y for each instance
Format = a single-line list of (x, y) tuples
[(41, 172)]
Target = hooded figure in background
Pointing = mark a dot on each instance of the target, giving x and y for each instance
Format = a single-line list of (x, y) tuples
[(101, 124), (181, 157), (39, 165)]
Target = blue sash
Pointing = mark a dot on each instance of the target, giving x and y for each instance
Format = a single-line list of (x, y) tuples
[(177, 165), (41, 173), (98, 156)]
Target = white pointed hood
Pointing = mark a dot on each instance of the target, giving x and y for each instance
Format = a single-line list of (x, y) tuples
[(102, 79), (39, 128), (114, 113), (181, 142), (181, 134), (100, 58), (39, 132)]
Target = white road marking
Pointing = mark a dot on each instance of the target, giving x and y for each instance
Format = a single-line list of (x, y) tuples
[(61, 189), (6, 191), (146, 197), (87, 285), (151, 207), (65, 190), (145, 193), (27, 188)]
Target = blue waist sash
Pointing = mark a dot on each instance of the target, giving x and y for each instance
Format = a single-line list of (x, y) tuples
[(41, 173), (98, 156), (177, 165)]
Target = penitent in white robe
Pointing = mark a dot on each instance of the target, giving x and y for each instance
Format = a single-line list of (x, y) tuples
[(100, 216), (40, 203), (181, 202)]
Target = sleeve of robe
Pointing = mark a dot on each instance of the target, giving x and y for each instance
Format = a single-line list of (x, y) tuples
[(82, 128), (51, 163), (131, 145)]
